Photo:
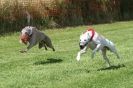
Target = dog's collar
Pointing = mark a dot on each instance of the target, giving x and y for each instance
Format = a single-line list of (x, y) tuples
[(92, 32), (92, 36)]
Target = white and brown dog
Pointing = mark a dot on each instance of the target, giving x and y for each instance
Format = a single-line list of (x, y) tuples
[(96, 42), (33, 36)]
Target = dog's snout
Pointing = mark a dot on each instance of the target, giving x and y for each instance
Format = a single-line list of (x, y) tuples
[(81, 45)]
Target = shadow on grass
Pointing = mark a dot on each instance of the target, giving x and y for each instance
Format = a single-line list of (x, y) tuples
[(112, 67), (48, 61)]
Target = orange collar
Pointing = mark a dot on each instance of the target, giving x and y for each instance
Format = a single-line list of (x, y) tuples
[(93, 33)]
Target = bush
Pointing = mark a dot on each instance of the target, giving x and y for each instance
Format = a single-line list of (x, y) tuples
[(60, 13)]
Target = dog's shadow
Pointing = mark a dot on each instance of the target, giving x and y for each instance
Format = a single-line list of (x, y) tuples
[(114, 67), (48, 61)]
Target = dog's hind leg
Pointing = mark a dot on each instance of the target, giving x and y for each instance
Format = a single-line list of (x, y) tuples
[(49, 44), (45, 47), (115, 52), (42, 44), (104, 50)]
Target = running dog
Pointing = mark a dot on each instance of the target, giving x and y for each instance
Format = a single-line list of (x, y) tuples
[(96, 42), (33, 36)]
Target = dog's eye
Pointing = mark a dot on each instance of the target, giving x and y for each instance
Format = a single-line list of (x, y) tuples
[(85, 40)]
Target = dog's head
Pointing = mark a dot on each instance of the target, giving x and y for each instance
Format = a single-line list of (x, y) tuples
[(84, 39), (25, 34)]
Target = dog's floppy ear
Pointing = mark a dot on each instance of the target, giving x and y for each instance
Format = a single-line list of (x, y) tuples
[(89, 36), (30, 31), (27, 30)]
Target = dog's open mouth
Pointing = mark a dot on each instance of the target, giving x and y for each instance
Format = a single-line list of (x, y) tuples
[(81, 47)]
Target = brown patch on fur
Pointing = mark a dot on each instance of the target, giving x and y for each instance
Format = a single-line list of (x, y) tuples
[(24, 38)]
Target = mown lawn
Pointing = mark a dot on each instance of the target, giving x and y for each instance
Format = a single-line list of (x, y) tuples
[(48, 69)]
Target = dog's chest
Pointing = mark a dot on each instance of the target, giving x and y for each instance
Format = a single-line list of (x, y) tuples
[(92, 45)]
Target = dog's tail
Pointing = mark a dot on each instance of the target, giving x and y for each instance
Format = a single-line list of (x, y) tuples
[(28, 18)]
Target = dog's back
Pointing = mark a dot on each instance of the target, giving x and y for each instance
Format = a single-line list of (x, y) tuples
[(100, 39)]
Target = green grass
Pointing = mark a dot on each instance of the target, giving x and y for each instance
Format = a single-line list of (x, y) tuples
[(48, 69)]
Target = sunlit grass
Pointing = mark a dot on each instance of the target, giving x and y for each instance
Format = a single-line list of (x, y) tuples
[(48, 69)]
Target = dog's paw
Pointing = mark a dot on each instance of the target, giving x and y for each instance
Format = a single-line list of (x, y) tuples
[(78, 57)]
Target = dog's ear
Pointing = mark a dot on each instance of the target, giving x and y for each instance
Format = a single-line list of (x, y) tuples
[(89, 36), (30, 31), (27, 30)]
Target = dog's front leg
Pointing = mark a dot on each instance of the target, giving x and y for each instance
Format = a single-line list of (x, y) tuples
[(81, 52), (31, 44), (25, 50), (95, 50)]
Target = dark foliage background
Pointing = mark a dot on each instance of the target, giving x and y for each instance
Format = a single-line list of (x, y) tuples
[(61, 13)]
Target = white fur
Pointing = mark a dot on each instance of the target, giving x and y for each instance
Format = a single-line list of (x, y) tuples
[(98, 43), (27, 29)]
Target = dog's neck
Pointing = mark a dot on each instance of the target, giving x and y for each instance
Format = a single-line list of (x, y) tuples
[(91, 33)]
